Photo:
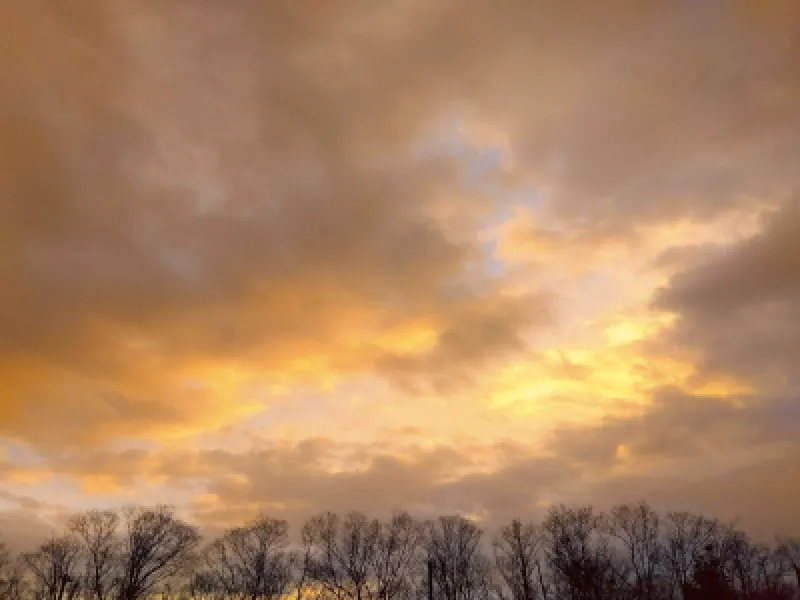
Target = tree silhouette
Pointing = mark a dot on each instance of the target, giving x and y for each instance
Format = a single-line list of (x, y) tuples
[(709, 581), (252, 559), (460, 569), (636, 529), (627, 553), (97, 532), (55, 566), (518, 551), (155, 545), (580, 558)]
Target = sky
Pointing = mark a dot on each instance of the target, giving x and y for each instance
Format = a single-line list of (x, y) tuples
[(455, 256)]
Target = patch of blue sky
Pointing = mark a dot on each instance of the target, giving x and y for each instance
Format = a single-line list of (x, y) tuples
[(481, 164)]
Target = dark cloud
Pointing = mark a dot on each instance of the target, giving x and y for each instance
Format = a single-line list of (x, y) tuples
[(759, 270), (678, 425), (478, 334), (632, 114), (742, 308), (208, 186), (685, 256)]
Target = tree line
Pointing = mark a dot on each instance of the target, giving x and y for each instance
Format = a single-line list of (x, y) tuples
[(629, 553)]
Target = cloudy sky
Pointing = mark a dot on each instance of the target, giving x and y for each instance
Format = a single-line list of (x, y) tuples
[(471, 256)]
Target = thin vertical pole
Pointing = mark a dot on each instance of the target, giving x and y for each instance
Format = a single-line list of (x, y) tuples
[(430, 579)]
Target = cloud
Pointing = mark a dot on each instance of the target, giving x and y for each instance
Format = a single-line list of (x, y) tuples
[(172, 217), (492, 332), (678, 452), (22, 530), (25, 502), (741, 309), (210, 209), (678, 425), (632, 114)]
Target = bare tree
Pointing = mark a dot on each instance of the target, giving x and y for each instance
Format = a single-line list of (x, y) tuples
[(343, 554), (636, 529), (709, 580), (97, 532), (9, 581), (460, 570), (5, 557), (686, 538), (518, 559), (195, 578), (574, 554), (221, 564), (301, 566), (14, 585), (580, 559), (399, 545), (55, 567), (5, 568), (155, 545), (201, 583), (252, 560), (750, 568), (769, 569), (789, 550), (363, 559)]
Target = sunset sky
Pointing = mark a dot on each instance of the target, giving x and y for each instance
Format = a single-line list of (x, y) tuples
[(454, 256)]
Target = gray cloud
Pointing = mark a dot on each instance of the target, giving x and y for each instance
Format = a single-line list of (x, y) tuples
[(742, 308), (257, 205), (22, 529)]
